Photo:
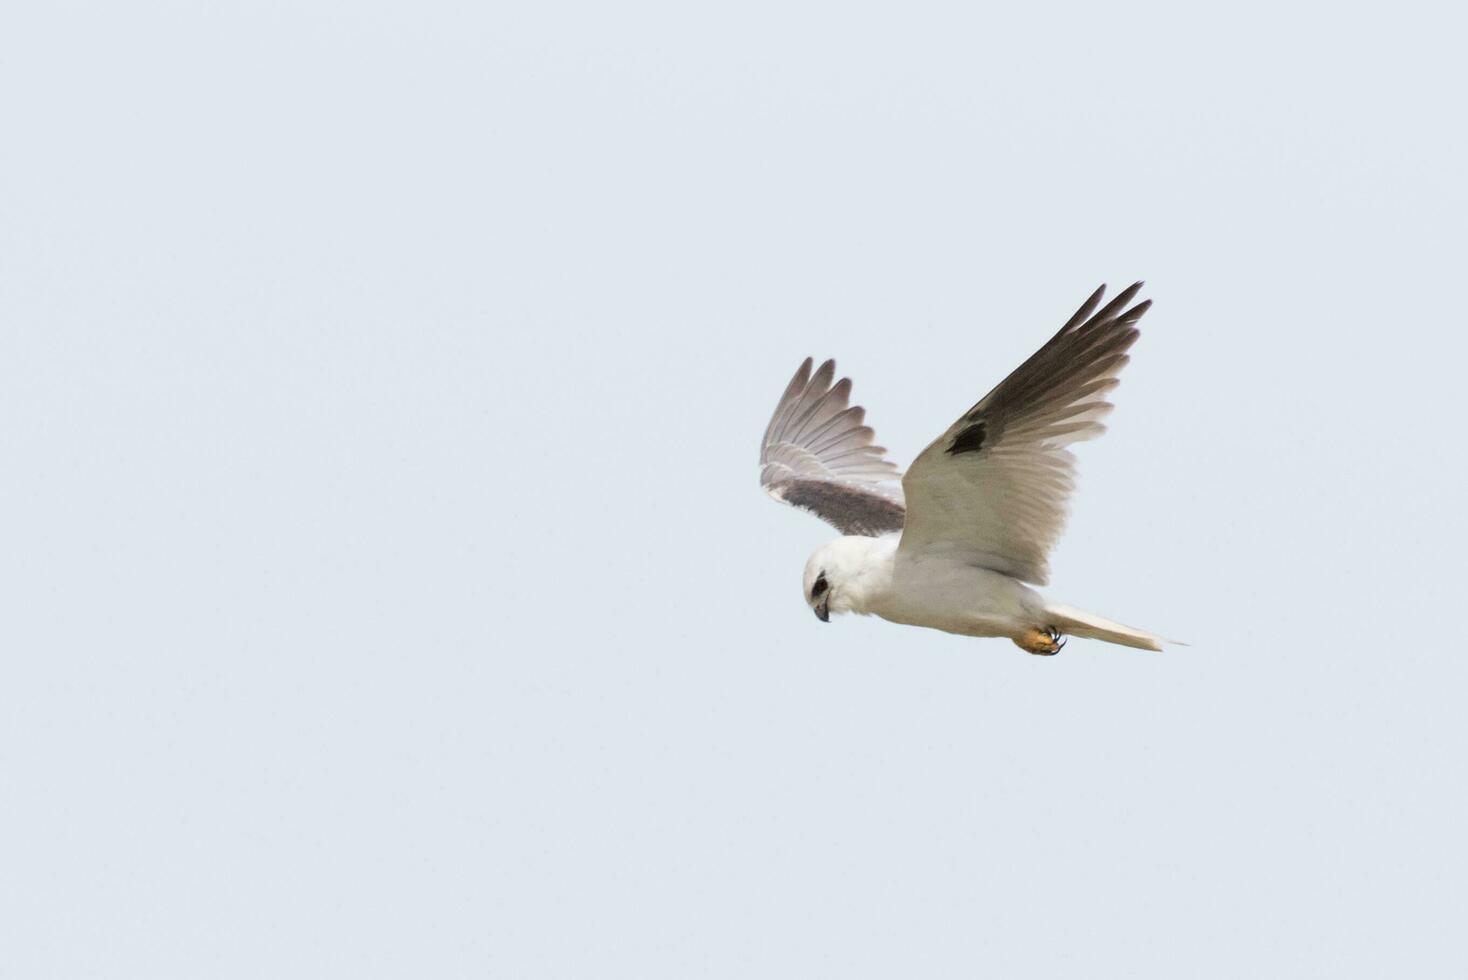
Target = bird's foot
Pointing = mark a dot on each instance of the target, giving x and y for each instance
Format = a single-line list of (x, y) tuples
[(1045, 642)]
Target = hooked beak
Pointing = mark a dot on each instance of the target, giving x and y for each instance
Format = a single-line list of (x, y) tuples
[(823, 608)]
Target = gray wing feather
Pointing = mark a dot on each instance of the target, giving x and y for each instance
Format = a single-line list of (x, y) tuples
[(994, 489), (819, 456)]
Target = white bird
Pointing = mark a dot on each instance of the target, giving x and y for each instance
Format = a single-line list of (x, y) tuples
[(981, 507)]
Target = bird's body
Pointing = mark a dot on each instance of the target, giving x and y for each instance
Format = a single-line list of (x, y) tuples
[(940, 593), (980, 508)]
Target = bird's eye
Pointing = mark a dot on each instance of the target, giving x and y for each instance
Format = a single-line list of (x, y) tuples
[(819, 589)]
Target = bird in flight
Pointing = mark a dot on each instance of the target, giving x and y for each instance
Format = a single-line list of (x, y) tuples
[(978, 512)]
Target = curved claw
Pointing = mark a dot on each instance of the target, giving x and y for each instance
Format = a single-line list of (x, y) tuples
[(1044, 641)]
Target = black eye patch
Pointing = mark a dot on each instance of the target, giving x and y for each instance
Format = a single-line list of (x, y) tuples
[(819, 589)]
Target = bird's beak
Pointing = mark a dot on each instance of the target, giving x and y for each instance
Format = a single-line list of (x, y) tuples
[(823, 609)]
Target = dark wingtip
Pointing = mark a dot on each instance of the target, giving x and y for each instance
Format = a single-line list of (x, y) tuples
[(1086, 308), (1135, 313), (1112, 309), (1128, 294)]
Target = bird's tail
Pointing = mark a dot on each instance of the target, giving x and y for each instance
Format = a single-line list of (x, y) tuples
[(1073, 621)]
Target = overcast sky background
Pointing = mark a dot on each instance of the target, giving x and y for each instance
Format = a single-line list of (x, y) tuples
[(387, 586)]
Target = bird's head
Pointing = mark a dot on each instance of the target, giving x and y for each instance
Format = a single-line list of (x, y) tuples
[(818, 590), (837, 574)]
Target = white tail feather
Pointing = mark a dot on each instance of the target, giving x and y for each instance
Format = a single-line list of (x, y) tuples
[(1076, 622)]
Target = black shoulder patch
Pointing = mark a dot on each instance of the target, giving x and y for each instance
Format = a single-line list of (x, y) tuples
[(970, 439)]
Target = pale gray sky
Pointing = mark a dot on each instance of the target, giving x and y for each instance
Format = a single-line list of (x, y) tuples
[(388, 587)]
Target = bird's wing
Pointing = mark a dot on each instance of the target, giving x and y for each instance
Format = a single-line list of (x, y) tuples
[(818, 456), (993, 490)]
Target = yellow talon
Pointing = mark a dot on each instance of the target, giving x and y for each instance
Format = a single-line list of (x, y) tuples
[(1043, 642)]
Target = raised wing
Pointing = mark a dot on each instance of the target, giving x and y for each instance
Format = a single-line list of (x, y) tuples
[(994, 489), (818, 456)]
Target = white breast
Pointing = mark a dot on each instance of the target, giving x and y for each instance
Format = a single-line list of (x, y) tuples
[(957, 598)]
